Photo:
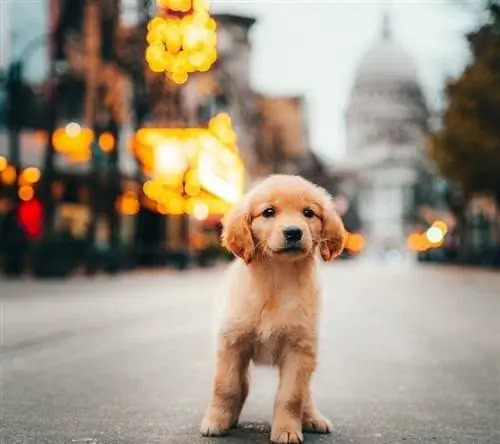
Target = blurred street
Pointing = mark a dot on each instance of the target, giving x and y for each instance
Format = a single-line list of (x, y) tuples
[(408, 354)]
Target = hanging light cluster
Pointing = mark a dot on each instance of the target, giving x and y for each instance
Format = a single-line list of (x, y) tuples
[(181, 39)]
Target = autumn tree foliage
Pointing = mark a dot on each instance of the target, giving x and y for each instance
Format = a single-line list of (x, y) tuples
[(467, 149)]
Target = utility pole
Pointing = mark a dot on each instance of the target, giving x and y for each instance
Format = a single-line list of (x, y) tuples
[(15, 116), (141, 106), (92, 43), (109, 26)]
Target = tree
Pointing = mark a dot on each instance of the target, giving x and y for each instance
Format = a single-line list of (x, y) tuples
[(467, 149)]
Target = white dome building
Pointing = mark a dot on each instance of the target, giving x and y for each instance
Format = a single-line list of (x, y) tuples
[(386, 130)]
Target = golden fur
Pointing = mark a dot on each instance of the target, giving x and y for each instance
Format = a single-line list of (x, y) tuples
[(272, 310)]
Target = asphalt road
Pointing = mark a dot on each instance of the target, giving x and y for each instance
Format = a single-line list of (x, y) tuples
[(408, 355)]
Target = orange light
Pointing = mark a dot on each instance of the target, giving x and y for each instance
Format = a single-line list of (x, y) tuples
[(31, 175), (26, 193), (107, 142), (73, 142), (128, 204), (3, 163), (9, 175), (355, 242), (418, 243)]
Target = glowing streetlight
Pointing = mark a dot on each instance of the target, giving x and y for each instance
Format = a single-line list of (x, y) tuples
[(73, 129), (30, 175), (434, 235), (3, 163), (182, 40), (440, 225), (201, 211)]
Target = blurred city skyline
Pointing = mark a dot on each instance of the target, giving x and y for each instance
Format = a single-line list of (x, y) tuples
[(294, 41)]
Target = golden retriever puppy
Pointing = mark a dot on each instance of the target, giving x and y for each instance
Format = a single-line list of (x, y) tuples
[(272, 308)]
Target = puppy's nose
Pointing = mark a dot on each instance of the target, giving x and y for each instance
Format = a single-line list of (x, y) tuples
[(292, 234)]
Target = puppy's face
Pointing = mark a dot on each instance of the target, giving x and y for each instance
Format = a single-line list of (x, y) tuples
[(284, 218), (286, 224)]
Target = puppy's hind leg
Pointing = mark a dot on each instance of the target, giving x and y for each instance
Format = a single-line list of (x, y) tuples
[(227, 399), (312, 420)]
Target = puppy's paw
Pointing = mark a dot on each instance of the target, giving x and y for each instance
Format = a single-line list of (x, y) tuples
[(287, 435), (317, 424), (213, 427)]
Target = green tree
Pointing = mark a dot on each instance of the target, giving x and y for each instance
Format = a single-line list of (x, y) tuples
[(467, 149)]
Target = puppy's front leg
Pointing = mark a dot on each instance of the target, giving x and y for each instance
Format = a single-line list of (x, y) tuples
[(313, 420), (229, 390), (295, 376)]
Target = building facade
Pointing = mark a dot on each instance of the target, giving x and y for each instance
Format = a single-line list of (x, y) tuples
[(386, 133)]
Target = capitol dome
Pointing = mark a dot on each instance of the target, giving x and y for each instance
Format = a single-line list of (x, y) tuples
[(386, 60), (386, 102)]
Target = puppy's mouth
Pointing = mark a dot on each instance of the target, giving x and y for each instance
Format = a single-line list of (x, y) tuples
[(291, 249)]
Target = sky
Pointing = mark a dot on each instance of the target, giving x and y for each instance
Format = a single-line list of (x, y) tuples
[(313, 47)]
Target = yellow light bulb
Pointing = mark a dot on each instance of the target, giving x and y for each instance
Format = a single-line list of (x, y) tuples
[(182, 61), (155, 22), (155, 52), (204, 67), (169, 61), (201, 18), (180, 5), (193, 37), (211, 24), (156, 34), (179, 77), (200, 5), (196, 59), (173, 40)]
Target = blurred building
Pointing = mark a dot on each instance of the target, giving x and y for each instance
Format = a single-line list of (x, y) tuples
[(283, 136), (386, 129), (226, 87)]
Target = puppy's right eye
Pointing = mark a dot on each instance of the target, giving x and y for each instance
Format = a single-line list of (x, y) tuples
[(269, 212)]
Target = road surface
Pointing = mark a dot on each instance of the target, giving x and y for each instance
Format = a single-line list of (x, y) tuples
[(408, 355)]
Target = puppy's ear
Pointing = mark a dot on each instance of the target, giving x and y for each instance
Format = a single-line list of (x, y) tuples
[(236, 232), (334, 235)]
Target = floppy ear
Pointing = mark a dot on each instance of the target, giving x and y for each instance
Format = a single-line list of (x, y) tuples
[(236, 232), (334, 235)]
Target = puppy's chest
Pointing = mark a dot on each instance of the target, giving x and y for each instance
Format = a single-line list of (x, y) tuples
[(285, 319), (286, 307)]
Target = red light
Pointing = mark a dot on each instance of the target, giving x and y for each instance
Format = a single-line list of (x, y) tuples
[(30, 215)]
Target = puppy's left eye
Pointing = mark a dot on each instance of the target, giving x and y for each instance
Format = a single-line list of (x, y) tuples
[(307, 212), (269, 212)]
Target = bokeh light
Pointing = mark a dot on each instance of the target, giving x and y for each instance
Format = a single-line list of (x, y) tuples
[(30, 175), (9, 175), (26, 193), (434, 235), (183, 41)]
